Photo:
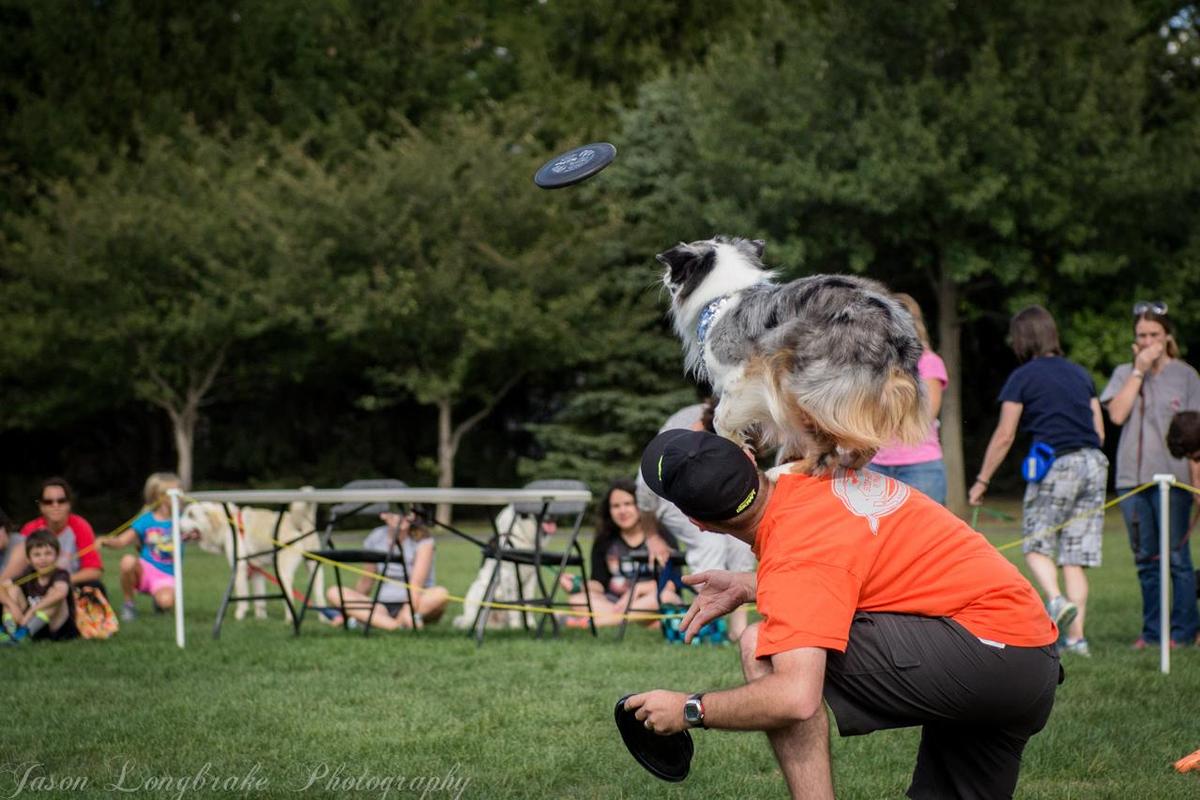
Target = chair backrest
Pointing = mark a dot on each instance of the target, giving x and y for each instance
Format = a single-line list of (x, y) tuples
[(558, 508), (341, 511)]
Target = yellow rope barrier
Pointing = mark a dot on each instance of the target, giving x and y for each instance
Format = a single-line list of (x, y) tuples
[(1084, 515), (649, 616), (114, 532), (639, 615), (634, 616)]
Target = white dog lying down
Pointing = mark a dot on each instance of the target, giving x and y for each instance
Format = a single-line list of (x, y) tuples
[(298, 528)]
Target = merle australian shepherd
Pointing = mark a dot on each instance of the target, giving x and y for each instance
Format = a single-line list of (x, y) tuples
[(825, 367)]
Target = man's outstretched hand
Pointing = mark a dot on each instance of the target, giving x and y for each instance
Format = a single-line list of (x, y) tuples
[(718, 592)]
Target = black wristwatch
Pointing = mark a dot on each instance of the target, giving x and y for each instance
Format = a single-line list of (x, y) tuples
[(693, 711)]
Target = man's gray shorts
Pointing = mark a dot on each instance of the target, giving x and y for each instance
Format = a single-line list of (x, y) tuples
[(977, 704)]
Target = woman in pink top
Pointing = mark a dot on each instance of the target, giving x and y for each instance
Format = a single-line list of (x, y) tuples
[(920, 466)]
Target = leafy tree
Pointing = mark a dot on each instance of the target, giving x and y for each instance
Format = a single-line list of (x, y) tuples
[(152, 277), (952, 151), (455, 277)]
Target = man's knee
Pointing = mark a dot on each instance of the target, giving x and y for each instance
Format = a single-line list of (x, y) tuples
[(752, 668)]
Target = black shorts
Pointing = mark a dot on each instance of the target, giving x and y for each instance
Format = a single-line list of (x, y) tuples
[(393, 609), (65, 632), (977, 704)]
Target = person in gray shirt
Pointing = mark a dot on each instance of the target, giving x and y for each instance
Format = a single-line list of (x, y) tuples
[(407, 538), (705, 550), (1142, 397)]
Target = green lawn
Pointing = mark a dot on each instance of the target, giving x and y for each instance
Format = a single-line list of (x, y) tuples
[(517, 718)]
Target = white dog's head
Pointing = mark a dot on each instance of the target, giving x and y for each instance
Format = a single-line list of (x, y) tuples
[(210, 521)]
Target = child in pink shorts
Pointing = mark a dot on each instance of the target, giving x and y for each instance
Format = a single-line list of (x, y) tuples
[(151, 572)]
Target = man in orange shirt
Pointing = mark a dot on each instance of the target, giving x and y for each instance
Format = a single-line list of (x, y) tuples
[(875, 599)]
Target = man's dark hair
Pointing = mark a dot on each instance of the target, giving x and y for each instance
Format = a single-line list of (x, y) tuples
[(42, 538), (1183, 437), (60, 483), (1034, 334)]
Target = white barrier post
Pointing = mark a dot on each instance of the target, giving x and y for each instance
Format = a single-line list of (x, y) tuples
[(177, 543), (1165, 482)]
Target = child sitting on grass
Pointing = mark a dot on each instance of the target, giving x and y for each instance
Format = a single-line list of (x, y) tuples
[(38, 604), (152, 573)]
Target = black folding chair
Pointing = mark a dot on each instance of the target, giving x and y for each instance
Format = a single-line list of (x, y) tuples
[(338, 514), (503, 550), (675, 563)]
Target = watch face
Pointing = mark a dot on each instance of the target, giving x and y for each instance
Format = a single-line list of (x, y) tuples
[(691, 712)]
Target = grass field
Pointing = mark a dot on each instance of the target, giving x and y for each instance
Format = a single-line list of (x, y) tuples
[(261, 713)]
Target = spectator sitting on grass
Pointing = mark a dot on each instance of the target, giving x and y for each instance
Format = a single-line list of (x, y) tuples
[(620, 580), (151, 572), (405, 536), (78, 553), (38, 605)]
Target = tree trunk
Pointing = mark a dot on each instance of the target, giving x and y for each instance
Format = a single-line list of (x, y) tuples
[(183, 426), (447, 448), (450, 436), (950, 349), (183, 407)]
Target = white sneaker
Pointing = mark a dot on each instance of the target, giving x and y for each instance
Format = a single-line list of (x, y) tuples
[(1062, 611)]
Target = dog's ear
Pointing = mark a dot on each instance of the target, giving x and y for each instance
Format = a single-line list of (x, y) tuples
[(759, 246), (684, 261)]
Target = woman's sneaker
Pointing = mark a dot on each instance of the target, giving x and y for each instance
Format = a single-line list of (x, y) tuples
[(1062, 611), (1078, 646)]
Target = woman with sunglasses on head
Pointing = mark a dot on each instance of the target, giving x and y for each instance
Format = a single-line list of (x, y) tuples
[(79, 554), (1142, 397)]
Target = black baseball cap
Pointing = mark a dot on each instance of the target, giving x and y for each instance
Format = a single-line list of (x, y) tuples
[(706, 476)]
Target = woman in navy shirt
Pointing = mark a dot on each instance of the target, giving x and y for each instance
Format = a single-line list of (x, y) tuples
[(1054, 400)]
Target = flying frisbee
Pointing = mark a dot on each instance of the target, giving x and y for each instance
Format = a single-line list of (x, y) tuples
[(575, 165), (665, 757)]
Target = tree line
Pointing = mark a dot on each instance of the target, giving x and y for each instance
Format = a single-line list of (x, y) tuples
[(299, 242)]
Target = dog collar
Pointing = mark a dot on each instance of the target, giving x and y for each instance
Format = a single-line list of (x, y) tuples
[(708, 315)]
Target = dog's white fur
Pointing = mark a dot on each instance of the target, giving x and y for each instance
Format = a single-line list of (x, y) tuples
[(298, 527)]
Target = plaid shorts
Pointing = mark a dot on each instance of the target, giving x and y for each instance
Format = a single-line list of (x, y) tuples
[(1072, 488)]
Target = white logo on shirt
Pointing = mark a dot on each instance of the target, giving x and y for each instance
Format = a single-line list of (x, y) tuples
[(869, 494)]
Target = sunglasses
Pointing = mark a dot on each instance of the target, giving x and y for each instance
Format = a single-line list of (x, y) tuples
[(1152, 306), (54, 501)]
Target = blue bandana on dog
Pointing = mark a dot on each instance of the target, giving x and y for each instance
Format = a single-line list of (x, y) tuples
[(707, 316)]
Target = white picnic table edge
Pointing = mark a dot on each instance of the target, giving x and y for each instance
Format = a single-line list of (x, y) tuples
[(413, 494)]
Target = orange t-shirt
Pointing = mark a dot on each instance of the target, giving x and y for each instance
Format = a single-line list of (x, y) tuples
[(856, 540)]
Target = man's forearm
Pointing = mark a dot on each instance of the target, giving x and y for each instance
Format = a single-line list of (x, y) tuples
[(770, 702)]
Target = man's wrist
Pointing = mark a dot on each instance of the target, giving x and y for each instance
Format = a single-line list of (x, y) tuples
[(693, 711)]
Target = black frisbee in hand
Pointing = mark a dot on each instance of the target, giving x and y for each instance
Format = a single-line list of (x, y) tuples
[(665, 757), (575, 165)]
